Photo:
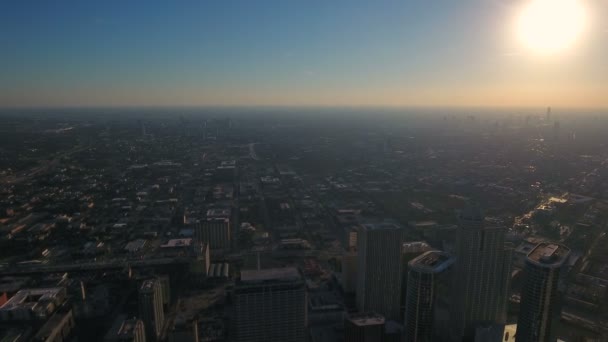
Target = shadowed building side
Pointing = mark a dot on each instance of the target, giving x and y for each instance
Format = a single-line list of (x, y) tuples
[(379, 269), (480, 275), (540, 298), (270, 306)]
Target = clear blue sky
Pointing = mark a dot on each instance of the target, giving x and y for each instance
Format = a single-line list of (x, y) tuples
[(289, 52)]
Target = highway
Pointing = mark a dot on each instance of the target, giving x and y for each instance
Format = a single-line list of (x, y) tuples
[(92, 266)]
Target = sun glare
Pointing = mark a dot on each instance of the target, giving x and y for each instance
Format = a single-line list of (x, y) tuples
[(551, 26)]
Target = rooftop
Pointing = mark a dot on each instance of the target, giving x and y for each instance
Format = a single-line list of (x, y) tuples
[(278, 274), (431, 262), (549, 254), (382, 225), (177, 243), (414, 247), (366, 319), (31, 297), (147, 285)]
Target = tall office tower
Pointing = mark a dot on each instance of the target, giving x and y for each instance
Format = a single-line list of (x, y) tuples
[(126, 330), (540, 302), (349, 272), (270, 306), (215, 232), (151, 308), (424, 275), (481, 275), (379, 269), (364, 327)]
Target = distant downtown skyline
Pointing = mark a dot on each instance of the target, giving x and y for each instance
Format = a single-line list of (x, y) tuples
[(288, 53)]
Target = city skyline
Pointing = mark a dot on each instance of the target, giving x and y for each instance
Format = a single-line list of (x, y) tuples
[(273, 53)]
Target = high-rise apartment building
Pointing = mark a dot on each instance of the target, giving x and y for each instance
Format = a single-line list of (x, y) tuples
[(409, 251), (379, 269), (270, 306), (151, 308), (481, 275), (424, 275), (540, 299)]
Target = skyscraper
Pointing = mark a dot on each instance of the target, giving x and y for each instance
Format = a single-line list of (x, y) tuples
[(424, 274), (270, 306), (151, 308), (540, 303), (409, 251), (379, 269), (481, 275), (364, 327), (349, 272)]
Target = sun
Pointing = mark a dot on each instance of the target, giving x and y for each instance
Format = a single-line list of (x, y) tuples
[(551, 26)]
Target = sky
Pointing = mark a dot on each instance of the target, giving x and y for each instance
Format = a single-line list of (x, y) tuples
[(291, 53)]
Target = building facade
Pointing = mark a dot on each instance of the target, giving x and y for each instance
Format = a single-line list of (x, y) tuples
[(364, 327), (270, 306), (481, 275), (215, 232), (379, 269)]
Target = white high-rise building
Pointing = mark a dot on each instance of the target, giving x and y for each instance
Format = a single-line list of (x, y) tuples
[(481, 275)]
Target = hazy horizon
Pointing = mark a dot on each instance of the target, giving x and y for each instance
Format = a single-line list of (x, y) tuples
[(319, 53)]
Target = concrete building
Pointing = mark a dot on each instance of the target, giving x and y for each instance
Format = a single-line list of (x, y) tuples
[(270, 306), (151, 308), (379, 269), (424, 274), (215, 232), (481, 275), (351, 239), (365, 327), (540, 299), (349, 272)]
